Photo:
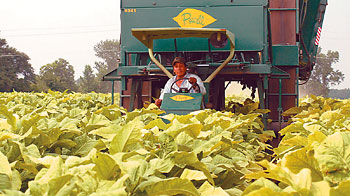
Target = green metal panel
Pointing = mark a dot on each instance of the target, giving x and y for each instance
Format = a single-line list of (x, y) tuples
[(164, 45), (311, 18), (259, 68), (186, 102), (123, 86), (311, 21), (129, 70), (201, 70), (246, 22), (285, 55), (266, 53), (195, 44), (188, 3)]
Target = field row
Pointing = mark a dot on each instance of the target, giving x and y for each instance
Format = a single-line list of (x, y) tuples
[(78, 144)]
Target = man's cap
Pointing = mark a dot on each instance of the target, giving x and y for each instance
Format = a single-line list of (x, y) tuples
[(179, 60)]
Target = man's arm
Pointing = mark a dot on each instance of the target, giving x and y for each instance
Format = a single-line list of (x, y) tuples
[(166, 88), (197, 83)]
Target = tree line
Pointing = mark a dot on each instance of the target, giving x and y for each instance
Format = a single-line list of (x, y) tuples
[(339, 93), (17, 74), (323, 76)]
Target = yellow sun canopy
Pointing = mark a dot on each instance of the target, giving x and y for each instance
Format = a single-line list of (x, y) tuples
[(147, 35)]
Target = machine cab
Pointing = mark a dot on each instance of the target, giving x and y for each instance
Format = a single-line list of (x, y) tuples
[(183, 102)]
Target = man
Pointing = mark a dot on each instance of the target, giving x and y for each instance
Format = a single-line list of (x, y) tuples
[(180, 71)]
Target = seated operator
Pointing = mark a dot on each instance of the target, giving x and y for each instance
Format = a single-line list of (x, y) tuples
[(183, 80)]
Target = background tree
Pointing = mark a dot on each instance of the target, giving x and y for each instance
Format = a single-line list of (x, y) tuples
[(58, 76), (109, 52), (339, 93), (16, 73), (87, 82), (323, 75)]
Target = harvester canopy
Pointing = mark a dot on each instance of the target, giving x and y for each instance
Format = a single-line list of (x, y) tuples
[(147, 35)]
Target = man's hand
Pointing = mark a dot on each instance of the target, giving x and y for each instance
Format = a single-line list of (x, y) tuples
[(158, 102), (195, 86), (193, 81)]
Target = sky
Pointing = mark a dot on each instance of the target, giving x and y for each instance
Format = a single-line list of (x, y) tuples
[(50, 29), (47, 30)]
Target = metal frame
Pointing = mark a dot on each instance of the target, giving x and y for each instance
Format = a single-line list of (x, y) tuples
[(146, 36)]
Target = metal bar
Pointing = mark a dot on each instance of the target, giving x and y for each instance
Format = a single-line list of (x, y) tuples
[(297, 17), (138, 93), (156, 70), (126, 59), (283, 94), (232, 51), (265, 55), (297, 86), (278, 77), (280, 109), (123, 84), (149, 91), (129, 95), (121, 101), (266, 89), (261, 93), (227, 84), (283, 9), (132, 95), (266, 82), (150, 52), (112, 92), (206, 96), (111, 78), (280, 94), (138, 59)]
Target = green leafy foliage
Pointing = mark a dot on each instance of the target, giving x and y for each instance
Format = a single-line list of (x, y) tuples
[(87, 82), (58, 143), (313, 156), (109, 52), (16, 73), (323, 75), (58, 76), (237, 105), (78, 144)]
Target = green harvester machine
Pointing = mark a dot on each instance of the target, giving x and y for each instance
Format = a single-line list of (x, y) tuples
[(268, 45)]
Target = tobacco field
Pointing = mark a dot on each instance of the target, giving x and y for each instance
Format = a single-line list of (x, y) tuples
[(78, 144)]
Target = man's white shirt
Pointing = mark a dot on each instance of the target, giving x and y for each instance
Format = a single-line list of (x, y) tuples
[(184, 84)]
